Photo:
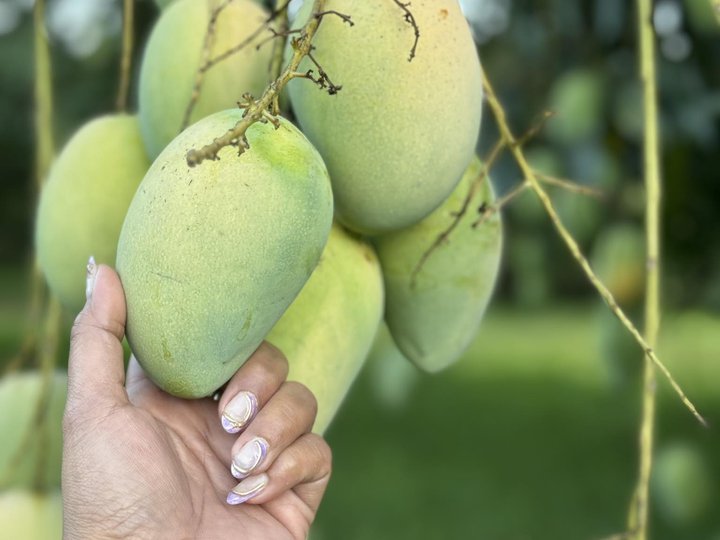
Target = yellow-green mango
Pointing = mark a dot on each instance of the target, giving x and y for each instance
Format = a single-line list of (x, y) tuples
[(31, 516), (683, 484), (83, 204), (328, 330), (618, 257), (211, 256), (30, 457), (393, 378), (162, 4), (433, 317), (173, 56), (398, 135)]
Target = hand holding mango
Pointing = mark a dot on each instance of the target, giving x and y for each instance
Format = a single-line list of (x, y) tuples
[(139, 463)]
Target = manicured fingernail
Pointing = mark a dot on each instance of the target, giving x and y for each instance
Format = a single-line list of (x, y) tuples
[(250, 456), (239, 411), (90, 275), (247, 489)]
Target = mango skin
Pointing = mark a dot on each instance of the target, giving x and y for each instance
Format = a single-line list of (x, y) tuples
[(210, 257), (31, 516), (173, 55), (433, 322), (399, 135), (327, 332), (19, 395), (84, 201)]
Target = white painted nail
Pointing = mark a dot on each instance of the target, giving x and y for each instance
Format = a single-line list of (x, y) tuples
[(249, 457), (239, 412)]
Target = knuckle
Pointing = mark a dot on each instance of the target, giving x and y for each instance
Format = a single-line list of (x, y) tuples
[(324, 453), (302, 396), (274, 363)]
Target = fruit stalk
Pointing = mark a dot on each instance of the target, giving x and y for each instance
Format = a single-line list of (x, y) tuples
[(126, 56), (257, 109), (573, 246), (639, 509)]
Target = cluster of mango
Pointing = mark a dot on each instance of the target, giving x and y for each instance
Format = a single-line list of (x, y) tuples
[(376, 206)]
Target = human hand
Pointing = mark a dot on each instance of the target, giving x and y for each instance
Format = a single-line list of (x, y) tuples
[(140, 463)]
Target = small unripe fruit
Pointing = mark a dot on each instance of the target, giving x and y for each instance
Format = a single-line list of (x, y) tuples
[(25, 457), (84, 202)]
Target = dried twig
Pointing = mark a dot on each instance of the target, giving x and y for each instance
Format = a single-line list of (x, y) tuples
[(410, 19), (569, 185), (257, 110), (457, 216)]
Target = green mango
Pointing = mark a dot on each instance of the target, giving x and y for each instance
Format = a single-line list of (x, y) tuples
[(328, 330), (84, 201), (31, 516), (434, 317), (618, 257), (398, 135), (211, 256), (393, 378), (162, 4), (682, 483), (30, 457), (172, 58)]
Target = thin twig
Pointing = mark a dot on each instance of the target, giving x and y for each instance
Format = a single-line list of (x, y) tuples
[(258, 109), (572, 245), (569, 185), (441, 238), (126, 56), (501, 203), (282, 32), (535, 129), (410, 19), (204, 60), (640, 508)]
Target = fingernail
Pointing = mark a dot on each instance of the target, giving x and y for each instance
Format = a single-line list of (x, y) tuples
[(90, 275), (247, 489), (238, 412), (250, 456)]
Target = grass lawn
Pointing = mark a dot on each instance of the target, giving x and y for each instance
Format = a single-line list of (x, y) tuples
[(528, 437)]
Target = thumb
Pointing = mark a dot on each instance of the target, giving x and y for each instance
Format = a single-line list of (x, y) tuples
[(96, 375)]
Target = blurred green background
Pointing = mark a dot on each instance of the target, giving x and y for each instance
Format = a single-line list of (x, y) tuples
[(533, 435)]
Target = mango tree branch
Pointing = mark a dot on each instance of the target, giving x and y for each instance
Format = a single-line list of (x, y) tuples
[(283, 26), (126, 56), (639, 510), (572, 245), (257, 110)]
